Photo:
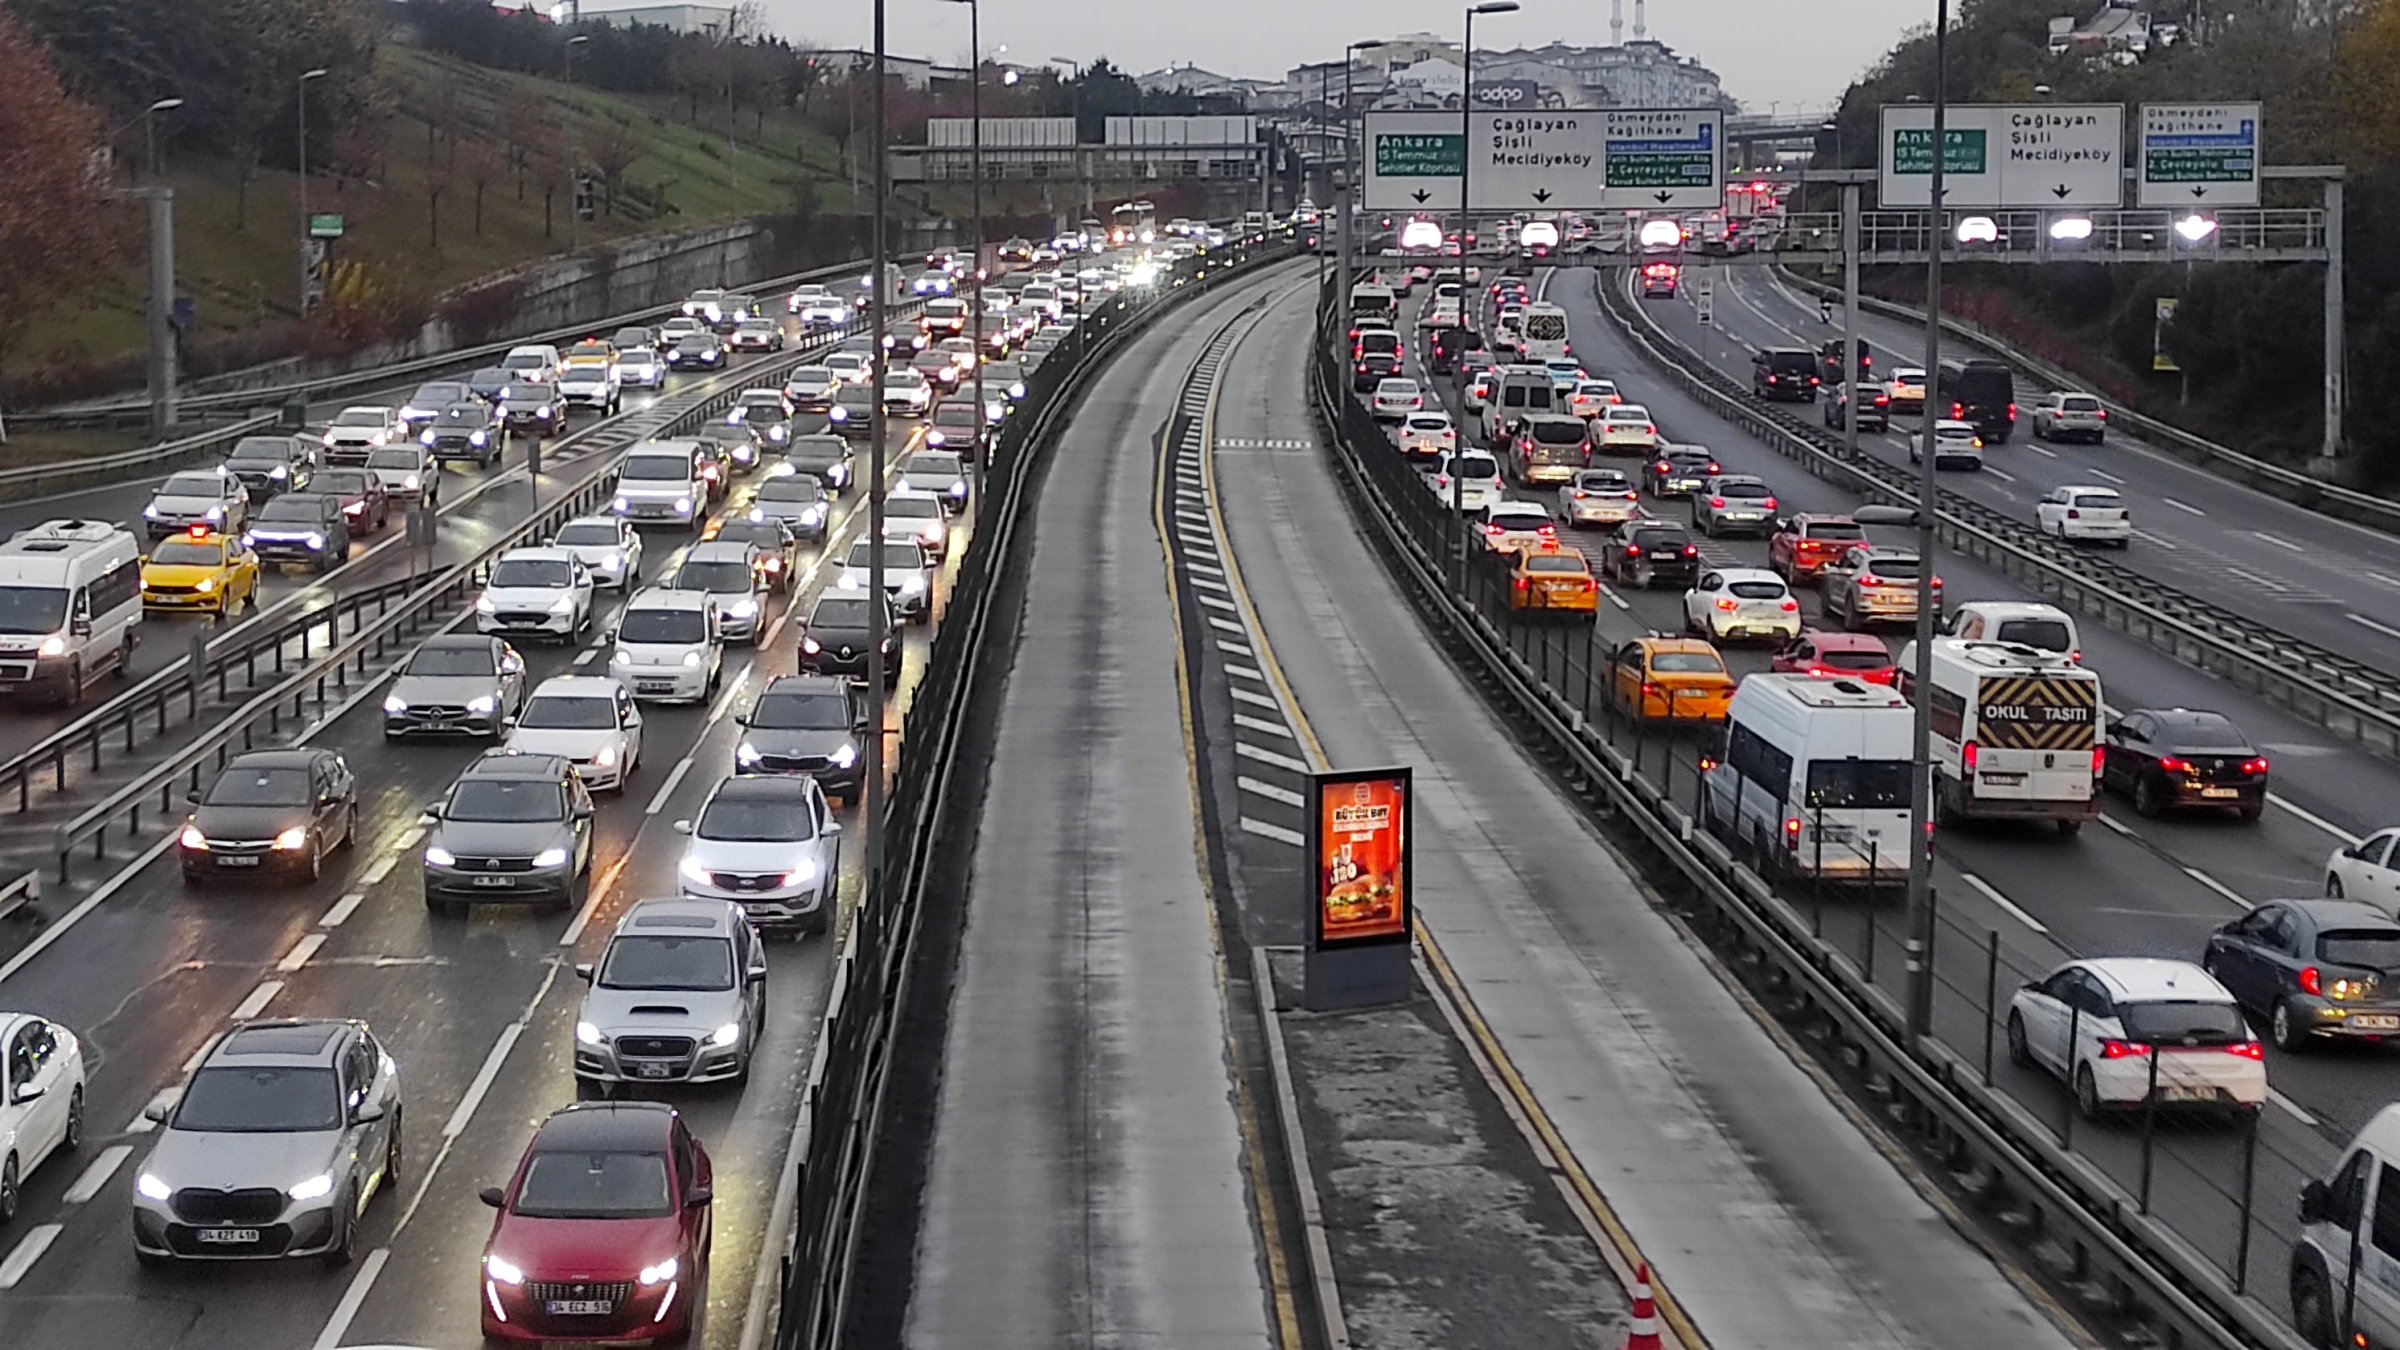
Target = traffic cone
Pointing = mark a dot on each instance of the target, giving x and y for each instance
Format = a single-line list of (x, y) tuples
[(1644, 1335)]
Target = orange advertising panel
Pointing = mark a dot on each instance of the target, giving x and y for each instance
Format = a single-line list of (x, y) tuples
[(1360, 879)]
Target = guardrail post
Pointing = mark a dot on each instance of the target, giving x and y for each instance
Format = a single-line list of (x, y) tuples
[(1991, 995)]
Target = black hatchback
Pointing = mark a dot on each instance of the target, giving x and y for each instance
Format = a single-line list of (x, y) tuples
[(2314, 969), (2165, 758)]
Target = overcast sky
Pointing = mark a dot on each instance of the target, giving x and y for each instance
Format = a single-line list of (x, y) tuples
[(1767, 51)]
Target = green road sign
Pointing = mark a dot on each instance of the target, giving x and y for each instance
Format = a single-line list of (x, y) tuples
[(1962, 151), (324, 226), (1418, 155)]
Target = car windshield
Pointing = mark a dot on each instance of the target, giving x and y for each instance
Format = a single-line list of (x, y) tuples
[(260, 1099), (542, 573), (679, 627), (2174, 1022), (238, 786), (1836, 783), (658, 468), (714, 576), (184, 553), (562, 1184), (839, 613), (662, 961), (448, 661), (299, 508), (2376, 950), (506, 801), (1757, 590), (569, 712), (754, 821), (193, 485), (1686, 663), (590, 534)]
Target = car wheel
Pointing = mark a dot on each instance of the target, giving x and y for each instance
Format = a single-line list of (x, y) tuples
[(2019, 1053), (2148, 799), (2087, 1093), (2312, 1308)]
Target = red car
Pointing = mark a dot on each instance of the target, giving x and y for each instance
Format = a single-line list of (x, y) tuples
[(603, 1232), (1836, 655)]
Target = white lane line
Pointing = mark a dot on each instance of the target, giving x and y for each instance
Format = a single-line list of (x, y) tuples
[(96, 1176), (161, 1100), (2364, 622), (658, 799), (1269, 757), (353, 1298), (258, 1000), (733, 689), (2002, 474), (2117, 825), (2106, 477), (1271, 728), (2285, 544), (2180, 506), (2303, 813), (1246, 672), (482, 1084), (1254, 700), (1269, 791), (342, 910), (298, 956), (2292, 1106), (2042, 450), (1275, 832), (2218, 886), (1992, 893), (28, 1250), (378, 870)]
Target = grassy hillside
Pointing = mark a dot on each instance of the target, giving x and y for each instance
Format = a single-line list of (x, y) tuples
[(240, 265)]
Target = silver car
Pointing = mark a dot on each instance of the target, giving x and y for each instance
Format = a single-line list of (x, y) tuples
[(769, 843), (456, 685), (275, 1147), (680, 996)]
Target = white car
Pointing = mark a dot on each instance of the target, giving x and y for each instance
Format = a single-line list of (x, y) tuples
[(1598, 497), (2078, 512), (641, 368), (1514, 527), (356, 431), (1730, 603), (669, 645), (1478, 485), (2106, 1026), (1625, 428), (2366, 872), (1427, 435), (588, 720), (912, 517), (907, 392), (1396, 398), (41, 1099), (536, 592), (607, 546), (1955, 446)]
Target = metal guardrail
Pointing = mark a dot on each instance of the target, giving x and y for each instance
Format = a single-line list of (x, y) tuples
[(2348, 697), (834, 1153), (2293, 485), (2144, 1268)]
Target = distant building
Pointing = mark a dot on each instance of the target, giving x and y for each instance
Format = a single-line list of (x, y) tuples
[(703, 19)]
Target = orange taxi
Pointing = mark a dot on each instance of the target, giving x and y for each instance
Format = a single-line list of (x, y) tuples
[(1670, 679), (1552, 579)]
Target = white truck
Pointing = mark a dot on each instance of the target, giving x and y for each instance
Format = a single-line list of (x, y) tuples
[(2016, 732)]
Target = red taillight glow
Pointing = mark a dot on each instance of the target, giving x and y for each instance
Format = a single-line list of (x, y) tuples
[(2123, 1049)]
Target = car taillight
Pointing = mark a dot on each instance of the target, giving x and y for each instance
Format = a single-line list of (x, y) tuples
[(2255, 766), (2247, 1050), (2123, 1049), (2170, 764), (1966, 758)]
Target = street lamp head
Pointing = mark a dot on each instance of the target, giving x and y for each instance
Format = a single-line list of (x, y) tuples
[(166, 105)]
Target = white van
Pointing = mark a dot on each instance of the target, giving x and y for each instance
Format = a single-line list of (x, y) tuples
[(668, 645), (2354, 1209), (70, 606), (2043, 627), (1813, 778)]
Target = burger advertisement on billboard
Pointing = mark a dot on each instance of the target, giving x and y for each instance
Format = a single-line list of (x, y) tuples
[(1358, 853)]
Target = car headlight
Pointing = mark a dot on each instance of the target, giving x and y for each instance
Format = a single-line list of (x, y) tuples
[(845, 756), (292, 840), (314, 1188), (744, 609), (723, 1036), (550, 857), (438, 856), (150, 1186), (194, 840), (692, 871), (484, 605), (564, 604), (665, 1270), (504, 1271), (606, 757)]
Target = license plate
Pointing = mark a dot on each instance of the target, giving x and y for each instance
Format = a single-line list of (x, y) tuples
[(495, 882), (579, 1307), (2220, 792), (652, 1070), (227, 1236), (237, 861), (2376, 1022)]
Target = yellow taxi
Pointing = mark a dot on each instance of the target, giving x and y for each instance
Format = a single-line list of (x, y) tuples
[(1552, 579), (1670, 679), (200, 570)]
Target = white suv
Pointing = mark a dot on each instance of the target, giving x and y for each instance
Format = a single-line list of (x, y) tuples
[(669, 646)]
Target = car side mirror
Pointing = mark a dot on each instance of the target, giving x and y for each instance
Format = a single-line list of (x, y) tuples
[(2315, 1202), (583, 971), (698, 1197), (493, 1196)]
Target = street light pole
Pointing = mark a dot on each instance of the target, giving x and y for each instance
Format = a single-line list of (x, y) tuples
[(1920, 793), (878, 363), (1466, 227), (308, 243)]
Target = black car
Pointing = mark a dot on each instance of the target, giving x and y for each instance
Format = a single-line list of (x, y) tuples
[(2177, 757), (826, 458), (303, 527), (1679, 471), (834, 639), (1787, 374), (534, 408), (2314, 969), (274, 812), (464, 431), (1874, 406), (1648, 553), (363, 501), (268, 465), (811, 724)]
